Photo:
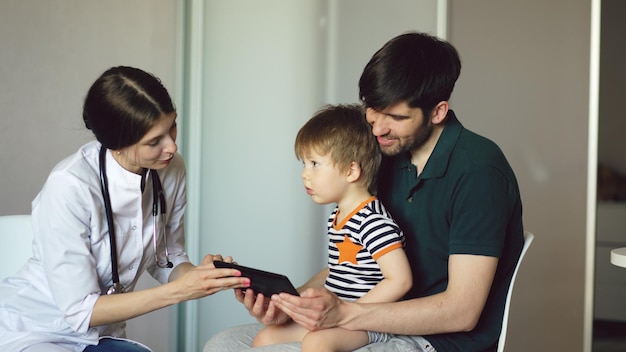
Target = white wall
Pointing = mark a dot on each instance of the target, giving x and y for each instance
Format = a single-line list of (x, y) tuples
[(525, 84), (51, 53), (262, 77)]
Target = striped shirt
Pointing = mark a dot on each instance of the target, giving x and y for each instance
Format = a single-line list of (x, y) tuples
[(355, 244)]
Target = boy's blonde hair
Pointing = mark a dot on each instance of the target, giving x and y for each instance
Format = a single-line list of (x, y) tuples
[(342, 132)]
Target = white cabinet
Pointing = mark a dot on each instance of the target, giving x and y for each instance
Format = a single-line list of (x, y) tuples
[(610, 285)]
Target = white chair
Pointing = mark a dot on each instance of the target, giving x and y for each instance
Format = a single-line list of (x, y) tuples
[(528, 238), (16, 236)]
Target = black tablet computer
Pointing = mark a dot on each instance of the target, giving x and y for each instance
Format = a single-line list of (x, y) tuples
[(262, 281)]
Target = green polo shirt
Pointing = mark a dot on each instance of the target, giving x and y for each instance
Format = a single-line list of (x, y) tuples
[(466, 201)]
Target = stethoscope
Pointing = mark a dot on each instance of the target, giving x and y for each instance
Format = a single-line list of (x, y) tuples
[(158, 202)]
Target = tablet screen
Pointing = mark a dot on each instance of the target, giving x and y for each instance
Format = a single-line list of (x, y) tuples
[(262, 281)]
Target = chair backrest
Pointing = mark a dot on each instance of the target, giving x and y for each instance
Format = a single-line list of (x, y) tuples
[(528, 238), (16, 236)]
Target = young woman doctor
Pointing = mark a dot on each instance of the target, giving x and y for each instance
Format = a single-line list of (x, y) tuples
[(105, 215)]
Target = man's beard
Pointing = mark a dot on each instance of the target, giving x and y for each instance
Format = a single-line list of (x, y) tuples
[(408, 145)]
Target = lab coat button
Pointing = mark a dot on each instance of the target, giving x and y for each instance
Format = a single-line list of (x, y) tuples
[(134, 227)]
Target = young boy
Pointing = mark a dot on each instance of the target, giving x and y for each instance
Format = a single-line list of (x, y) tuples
[(366, 260)]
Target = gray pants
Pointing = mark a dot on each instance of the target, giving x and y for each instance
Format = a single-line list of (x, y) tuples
[(239, 339)]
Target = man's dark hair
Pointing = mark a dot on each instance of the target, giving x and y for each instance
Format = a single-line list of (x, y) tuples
[(414, 67)]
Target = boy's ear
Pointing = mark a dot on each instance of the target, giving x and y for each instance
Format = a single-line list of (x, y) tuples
[(354, 172)]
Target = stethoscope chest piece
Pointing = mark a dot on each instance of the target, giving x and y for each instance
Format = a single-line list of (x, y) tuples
[(116, 288)]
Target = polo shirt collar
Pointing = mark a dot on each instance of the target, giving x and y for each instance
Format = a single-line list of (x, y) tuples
[(437, 163)]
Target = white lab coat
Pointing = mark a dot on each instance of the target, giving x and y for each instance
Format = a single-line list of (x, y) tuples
[(52, 297)]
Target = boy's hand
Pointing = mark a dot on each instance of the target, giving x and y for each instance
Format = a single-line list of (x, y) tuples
[(261, 308)]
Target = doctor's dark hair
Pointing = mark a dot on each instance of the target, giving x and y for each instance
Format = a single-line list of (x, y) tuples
[(123, 104), (413, 67), (341, 132)]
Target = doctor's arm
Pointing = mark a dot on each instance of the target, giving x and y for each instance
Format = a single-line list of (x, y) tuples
[(458, 308), (191, 282)]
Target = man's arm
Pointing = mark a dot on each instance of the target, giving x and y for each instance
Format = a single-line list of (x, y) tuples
[(456, 309)]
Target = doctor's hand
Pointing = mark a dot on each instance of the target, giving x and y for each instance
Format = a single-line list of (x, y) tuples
[(261, 308), (203, 280), (315, 308), (209, 258)]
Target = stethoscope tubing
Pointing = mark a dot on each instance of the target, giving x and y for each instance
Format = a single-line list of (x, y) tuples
[(158, 203), (157, 192), (104, 182)]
